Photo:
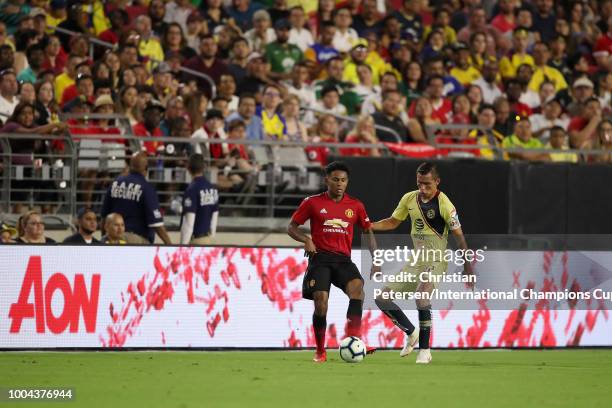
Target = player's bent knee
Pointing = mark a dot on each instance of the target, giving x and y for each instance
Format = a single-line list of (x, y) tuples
[(354, 289)]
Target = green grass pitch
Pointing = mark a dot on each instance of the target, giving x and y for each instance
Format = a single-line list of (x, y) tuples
[(549, 378)]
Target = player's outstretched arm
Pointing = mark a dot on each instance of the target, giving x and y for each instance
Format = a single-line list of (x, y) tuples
[(387, 224), (294, 232), (372, 246)]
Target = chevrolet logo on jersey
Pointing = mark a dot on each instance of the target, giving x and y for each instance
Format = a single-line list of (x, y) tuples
[(336, 222)]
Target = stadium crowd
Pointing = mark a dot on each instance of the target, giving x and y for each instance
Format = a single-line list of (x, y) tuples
[(535, 73)]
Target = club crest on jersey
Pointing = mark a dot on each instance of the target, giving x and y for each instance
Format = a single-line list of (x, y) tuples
[(311, 283), (336, 222), (349, 213), (431, 214)]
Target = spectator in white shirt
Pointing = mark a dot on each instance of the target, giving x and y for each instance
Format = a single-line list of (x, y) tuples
[(299, 35), (542, 123), (177, 11), (528, 96), (345, 36), (488, 82), (8, 93), (298, 85), (329, 103), (262, 32)]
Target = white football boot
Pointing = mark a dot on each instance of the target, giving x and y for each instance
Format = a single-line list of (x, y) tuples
[(411, 342), (424, 356)]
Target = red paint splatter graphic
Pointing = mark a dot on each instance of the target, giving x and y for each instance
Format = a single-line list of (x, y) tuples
[(189, 270), (209, 278)]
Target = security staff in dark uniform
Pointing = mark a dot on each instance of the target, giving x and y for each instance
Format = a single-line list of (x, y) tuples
[(200, 206), (136, 200)]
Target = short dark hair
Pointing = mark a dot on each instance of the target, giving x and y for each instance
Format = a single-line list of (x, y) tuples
[(427, 168), (235, 124), (329, 88), (557, 129), (245, 95), (336, 166), (196, 163), (486, 106), (432, 77)]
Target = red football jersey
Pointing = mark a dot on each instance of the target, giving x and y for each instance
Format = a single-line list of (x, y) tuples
[(331, 223)]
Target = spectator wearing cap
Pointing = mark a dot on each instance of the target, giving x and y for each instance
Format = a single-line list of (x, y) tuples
[(178, 11), (519, 55), (464, 71), (262, 32), (200, 206), (33, 229), (136, 200), (242, 12), (104, 105), (149, 127), (7, 234), (523, 139), (488, 82), (542, 71), (542, 123), (282, 55), (8, 93), (582, 91), (582, 129), (256, 75), (212, 129), (36, 56), (298, 34), (345, 36), (246, 113), (359, 55), (87, 224), (206, 63), (195, 28), (115, 230), (162, 82), (323, 50)]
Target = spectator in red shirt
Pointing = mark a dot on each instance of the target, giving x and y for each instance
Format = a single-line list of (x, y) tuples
[(514, 90), (149, 127), (582, 129), (119, 20), (55, 56), (441, 107), (363, 132), (206, 63), (504, 21)]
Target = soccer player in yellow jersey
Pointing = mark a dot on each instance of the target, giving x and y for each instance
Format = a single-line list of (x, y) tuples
[(432, 216)]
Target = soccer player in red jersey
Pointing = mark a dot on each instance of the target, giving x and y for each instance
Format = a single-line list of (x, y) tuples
[(332, 215)]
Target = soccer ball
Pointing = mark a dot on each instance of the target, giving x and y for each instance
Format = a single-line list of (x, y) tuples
[(352, 349)]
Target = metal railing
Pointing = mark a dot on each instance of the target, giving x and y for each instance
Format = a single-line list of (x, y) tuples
[(96, 41)]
